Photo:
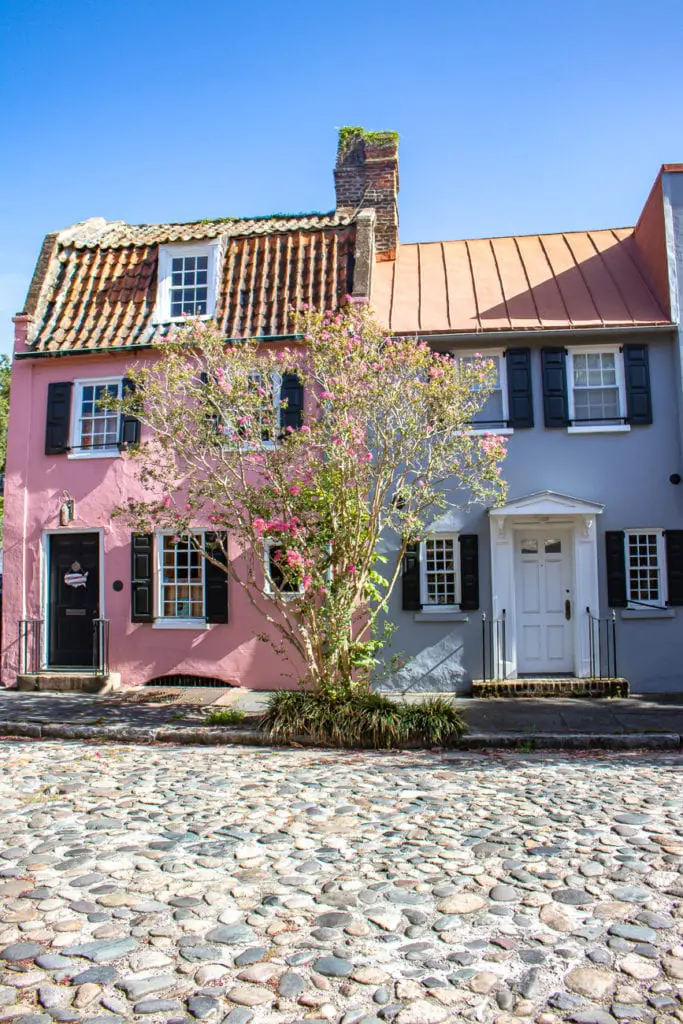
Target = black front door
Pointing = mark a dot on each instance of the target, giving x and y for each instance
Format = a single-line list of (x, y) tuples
[(74, 598)]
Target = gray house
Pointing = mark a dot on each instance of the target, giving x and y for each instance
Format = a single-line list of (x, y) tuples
[(580, 574)]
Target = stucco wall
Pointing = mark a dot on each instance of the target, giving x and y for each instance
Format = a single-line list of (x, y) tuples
[(33, 493), (626, 472)]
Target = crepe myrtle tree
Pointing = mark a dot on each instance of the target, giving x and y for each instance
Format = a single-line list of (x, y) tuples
[(383, 447)]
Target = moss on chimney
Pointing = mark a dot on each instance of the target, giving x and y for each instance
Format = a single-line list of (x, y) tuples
[(350, 134)]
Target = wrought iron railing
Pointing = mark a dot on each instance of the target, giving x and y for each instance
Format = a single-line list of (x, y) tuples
[(493, 647), (100, 646), (30, 646), (602, 645)]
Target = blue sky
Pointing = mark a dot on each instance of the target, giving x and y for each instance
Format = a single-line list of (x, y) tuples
[(514, 117)]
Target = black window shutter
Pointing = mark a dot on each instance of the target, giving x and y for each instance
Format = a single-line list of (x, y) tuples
[(520, 396), (469, 571), (616, 569), (674, 566), (216, 578), (142, 577), (292, 390), (58, 418), (555, 404), (130, 425), (411, 578), (637, 376)]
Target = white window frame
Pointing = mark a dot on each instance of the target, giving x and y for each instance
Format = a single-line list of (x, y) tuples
[(597, 428), (76, 425), (268, 544), (250, 446), (162, 312), (636, 603), (503, 387), (175, 622), (440, 609)]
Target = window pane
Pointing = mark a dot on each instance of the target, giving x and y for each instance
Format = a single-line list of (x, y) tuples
[(182, 579), (529, 546), (440, 571), (98, 425), (643, 568), (552, 546)]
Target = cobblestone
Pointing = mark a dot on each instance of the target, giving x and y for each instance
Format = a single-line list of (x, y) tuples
[(236, 885)]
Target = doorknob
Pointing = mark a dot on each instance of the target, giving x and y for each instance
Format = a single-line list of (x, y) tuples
[(567, 609)]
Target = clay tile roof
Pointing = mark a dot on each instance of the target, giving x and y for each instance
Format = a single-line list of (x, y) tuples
[(531, 282), (100, 282)]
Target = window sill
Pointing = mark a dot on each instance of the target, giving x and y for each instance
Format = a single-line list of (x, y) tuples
[(448, 616), (648, 613), (180, 624), (608, 428), (88, 453), (505, 431), (161, 320)]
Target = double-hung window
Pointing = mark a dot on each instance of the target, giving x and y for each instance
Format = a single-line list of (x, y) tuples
[(493, 415), (181, 578), (187, 281), (645, 568), (96, 424), (597, 395), (440, 579), (267, 390)]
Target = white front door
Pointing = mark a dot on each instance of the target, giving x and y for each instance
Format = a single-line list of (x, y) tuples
[(545, 606)]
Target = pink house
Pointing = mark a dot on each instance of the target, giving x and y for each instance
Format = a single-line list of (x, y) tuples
[(87, 603)]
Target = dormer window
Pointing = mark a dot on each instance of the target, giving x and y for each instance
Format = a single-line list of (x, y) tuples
[(187, 281)]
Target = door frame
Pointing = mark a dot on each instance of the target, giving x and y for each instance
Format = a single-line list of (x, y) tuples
[(546, 510), (45, 587), (566, 533)]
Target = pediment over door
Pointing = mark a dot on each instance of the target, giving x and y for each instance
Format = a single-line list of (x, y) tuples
[(547, 503)]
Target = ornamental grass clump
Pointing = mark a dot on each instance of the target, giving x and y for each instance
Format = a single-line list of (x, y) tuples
[(361, 719)]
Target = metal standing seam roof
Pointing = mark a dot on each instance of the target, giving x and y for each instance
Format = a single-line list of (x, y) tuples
[(102, 288), (523, 282)]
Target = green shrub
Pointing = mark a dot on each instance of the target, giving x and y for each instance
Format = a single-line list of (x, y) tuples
[(224, 716), (361, 719)]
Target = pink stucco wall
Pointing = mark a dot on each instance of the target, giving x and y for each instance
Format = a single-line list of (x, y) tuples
[(34, 487)]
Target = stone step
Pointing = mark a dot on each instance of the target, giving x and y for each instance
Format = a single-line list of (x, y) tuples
[(70, 682), (550, 687)]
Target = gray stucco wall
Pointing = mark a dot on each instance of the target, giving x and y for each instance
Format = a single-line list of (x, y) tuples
[(628, 473)]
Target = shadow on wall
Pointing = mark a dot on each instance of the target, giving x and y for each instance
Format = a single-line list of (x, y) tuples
[(436, 669)]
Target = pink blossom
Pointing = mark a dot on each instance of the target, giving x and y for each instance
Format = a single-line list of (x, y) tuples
[(259, 526), (213, 519), (306, 581), (351, 569), (294, 559), (167, 502), (294, 489), (305, 429)]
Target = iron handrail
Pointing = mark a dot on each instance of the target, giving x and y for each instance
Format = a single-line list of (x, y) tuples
[(493, 647), (30, 645), (602, 645)]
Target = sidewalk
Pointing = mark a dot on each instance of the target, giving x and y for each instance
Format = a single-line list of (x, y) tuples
[(651, 721)]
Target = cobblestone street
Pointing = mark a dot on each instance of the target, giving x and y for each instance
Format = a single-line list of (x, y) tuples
[(184, 884)]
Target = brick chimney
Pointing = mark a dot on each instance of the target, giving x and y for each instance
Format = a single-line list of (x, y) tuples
[(366, 177)]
